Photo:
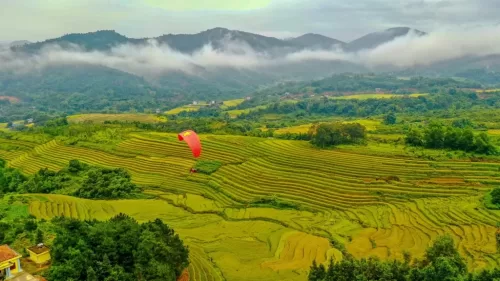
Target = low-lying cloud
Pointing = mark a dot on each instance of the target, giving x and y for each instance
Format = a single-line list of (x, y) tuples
[(153, 58)]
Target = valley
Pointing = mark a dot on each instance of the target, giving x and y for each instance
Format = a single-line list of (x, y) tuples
[(369, 205)]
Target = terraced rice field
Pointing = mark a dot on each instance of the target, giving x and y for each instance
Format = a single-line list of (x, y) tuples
[(487, 90), (189, 107), (236, 112), (219, 249), (377, 96), (231, 103), (304, 128), (10, 98), (495, 132), (374, 205), (100, 118)]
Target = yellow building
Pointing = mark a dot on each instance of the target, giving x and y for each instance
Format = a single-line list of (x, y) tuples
[(10, 263), (39, 254)]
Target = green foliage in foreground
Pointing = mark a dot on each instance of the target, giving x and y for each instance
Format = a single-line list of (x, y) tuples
[(442, 262), (332, 134), (207, 166), (15, 220), (118, 249), (77, 179)]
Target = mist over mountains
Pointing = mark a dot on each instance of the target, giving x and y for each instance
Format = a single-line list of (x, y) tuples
[(395, 49), (219, 60), (218, 38)]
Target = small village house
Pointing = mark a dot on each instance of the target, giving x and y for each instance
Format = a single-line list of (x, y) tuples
[(10, 263), (195, 103), (158, 111), (378, 90), (39, 254)]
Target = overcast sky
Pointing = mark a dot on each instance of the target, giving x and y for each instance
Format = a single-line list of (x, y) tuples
[(345, 20)]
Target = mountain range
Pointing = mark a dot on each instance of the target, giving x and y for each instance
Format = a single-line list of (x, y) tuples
[(219, 37), (99, 78)]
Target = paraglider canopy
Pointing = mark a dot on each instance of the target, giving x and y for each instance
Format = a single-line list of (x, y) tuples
[(193, 141)]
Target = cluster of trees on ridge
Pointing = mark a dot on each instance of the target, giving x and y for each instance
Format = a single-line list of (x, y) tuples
[(442, 262), (332, 134), (77, 179), (370, 107), (438, 136), (117, 249)]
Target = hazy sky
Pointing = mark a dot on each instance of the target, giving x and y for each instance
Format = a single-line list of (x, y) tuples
[(342, 19)]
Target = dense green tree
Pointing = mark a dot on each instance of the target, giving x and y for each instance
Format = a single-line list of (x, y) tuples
[(75, 166), (483, 145), (452, 138), (444, 248), (332, 134), (44, 181), (119, 249), (495, 196), (106, 184), (39, 237), (91, 275), (30, 225), (438, 136), (390, 119), (316, 272), (442, 262), (434, 135), (466, 141), (80, 179), (414, 137), (462, 123)]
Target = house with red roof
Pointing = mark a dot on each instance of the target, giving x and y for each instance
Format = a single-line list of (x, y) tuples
[(10, 263)]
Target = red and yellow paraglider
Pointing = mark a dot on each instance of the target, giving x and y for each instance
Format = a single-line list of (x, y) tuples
[(193, 141)]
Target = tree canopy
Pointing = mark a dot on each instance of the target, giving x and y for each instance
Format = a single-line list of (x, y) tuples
[(331, 134), (119, 249), (436, 135), (442, 262), (78, 179)]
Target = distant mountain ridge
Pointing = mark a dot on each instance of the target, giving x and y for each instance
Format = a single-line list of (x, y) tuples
[(19, 43), (114, 88), (376, 39), (316, 41), (218, 37)]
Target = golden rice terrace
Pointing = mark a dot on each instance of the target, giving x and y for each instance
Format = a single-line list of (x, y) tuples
[(372, 205)]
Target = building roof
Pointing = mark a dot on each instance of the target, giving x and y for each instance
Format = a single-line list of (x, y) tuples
[(6, 253), (38, 249)]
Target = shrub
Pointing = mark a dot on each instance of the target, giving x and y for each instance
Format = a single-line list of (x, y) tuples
[(495, 196), (207, 166)]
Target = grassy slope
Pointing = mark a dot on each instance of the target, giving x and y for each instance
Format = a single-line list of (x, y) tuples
[(378, 96), (342, 194), (304, 128), (100, 118)]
